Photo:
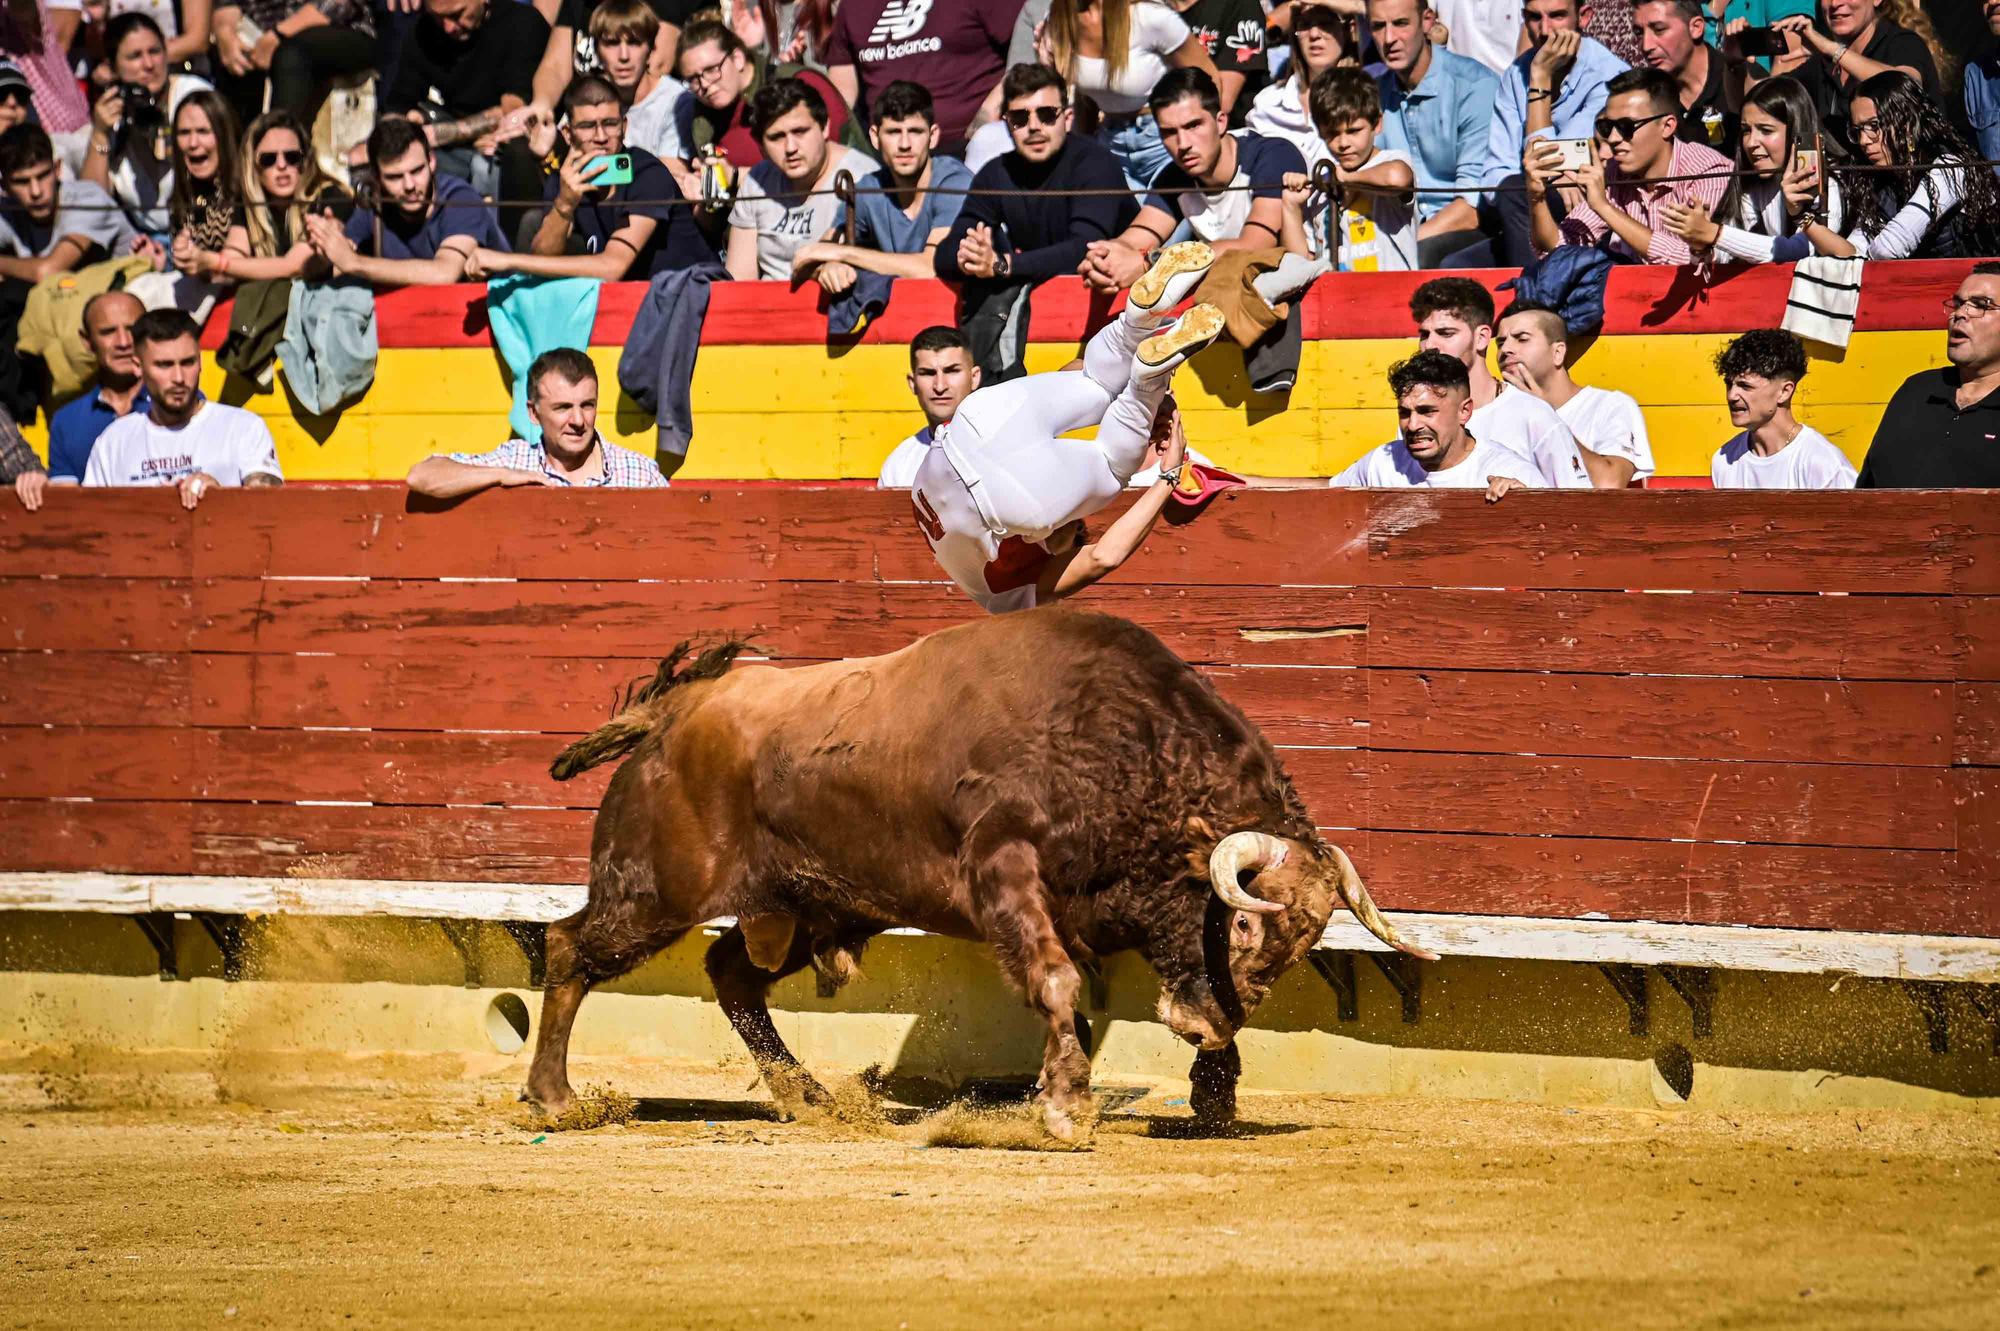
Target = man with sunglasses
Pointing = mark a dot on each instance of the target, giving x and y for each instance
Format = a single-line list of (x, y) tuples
[(1002, 247), (1942, 428), (1623, 202)]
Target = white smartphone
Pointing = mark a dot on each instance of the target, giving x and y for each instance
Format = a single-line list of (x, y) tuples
[(1573, 153)]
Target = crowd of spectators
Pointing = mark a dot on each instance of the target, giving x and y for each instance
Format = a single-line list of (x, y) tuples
[(995, 144)]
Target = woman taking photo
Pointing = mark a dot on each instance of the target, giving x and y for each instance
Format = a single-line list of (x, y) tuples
[(1113, 52), (131, 151), (281, 183), (1773, 211), (1321, 38), (1939, 208)]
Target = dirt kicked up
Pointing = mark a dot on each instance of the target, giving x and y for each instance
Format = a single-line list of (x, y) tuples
[(429, 1204)]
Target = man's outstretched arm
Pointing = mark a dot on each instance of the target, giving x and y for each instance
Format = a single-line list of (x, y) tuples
[(1068, 575)]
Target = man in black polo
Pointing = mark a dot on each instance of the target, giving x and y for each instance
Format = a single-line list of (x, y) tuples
[(1942, 429)]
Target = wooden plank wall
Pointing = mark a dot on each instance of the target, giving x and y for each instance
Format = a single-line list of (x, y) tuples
[(1709, 708)]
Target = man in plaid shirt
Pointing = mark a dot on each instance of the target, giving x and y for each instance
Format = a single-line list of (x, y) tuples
[(19, 467), (562, 397)]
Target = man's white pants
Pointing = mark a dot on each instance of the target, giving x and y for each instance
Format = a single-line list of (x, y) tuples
[(1001, 468)]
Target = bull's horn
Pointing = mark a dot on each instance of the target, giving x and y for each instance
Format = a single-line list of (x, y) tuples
[(1365, 910), (1233, 854)]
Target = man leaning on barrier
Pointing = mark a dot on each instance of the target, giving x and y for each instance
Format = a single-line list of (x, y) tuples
[(562, 399)]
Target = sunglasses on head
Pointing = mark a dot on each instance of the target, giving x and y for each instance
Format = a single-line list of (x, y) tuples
[(1017, 117), (289, 156), (1626, 126)]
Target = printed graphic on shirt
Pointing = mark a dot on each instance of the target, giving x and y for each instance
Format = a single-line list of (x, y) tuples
[(899, 24)]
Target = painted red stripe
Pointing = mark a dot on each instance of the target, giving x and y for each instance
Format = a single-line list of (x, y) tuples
[(1894, 296)]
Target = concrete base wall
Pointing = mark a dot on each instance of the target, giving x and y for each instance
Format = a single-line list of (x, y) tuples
[(77, 989)]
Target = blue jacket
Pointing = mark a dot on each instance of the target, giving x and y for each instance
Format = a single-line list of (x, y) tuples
[(1443, 124)]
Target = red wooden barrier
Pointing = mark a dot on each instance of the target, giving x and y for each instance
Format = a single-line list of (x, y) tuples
[(1704, 708)]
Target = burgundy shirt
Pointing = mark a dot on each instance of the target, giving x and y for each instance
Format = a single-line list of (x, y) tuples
[(956, 48)]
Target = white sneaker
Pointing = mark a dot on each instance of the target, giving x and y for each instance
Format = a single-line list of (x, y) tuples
[(1176, 273), (1164, 351)]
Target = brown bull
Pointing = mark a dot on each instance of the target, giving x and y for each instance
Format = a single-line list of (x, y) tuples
[(1055, 783)]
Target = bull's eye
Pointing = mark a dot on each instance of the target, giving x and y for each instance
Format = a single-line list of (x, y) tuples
[(1242, 924)]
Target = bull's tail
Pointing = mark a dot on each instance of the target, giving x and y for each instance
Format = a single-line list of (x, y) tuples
[(1355, 894), (643, 707)]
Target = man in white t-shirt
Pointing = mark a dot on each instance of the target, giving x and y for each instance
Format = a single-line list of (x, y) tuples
[(1455, 315), (942, 374), (786, 201), (1610, 429), (182, 439), (1435, 449), (1760, 374)]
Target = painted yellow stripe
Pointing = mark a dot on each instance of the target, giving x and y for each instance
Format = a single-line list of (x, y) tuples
[(796, 412)]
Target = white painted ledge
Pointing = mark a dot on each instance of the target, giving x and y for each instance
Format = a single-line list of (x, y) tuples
[(1796, 951)]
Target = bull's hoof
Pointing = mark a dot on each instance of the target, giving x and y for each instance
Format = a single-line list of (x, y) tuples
[(1073, 1124), (796, 1094), (1214, 1107), (551, 1102)]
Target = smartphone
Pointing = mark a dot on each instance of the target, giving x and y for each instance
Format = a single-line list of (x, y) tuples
[(1761, 43), (617, 169), (1573, 153)]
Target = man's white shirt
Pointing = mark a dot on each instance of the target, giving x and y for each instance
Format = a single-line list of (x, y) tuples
[(1392, 467), (1529, 428), (1810, 462), (228, 443), (899, 469), (1609, 422)]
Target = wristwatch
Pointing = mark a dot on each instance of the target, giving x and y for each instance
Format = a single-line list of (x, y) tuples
[(1003, 264)]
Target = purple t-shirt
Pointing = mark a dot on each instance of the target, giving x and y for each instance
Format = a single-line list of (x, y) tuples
[(956, 48)]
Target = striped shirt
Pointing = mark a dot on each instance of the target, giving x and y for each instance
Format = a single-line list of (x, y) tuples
[(623, 469), (1643, 202), (17, 456)]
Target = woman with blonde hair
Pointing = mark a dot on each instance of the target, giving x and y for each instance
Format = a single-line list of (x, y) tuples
[(1113, 52), (281, 182)]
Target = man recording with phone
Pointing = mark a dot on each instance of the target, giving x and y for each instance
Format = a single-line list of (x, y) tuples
[(610, 213), (1555, 90)]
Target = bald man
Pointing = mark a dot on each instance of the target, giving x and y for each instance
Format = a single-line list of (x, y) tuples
[(116, 392)]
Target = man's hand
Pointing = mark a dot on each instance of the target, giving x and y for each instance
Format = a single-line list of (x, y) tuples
[(836, 277), (28, 487), (510, 477), (1298, 190), (1691, 224), (807, 255), (193, 487), (1522, 378), (229, 49), (1590, 179), (976, 255), (1112, 265), (331, 241), (1553, 60), (1499, 487), (1538, 166), (483, 263), (578, 170), (266, 48)]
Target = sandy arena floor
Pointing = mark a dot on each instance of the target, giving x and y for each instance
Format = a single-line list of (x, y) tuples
[(428, 1204)]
